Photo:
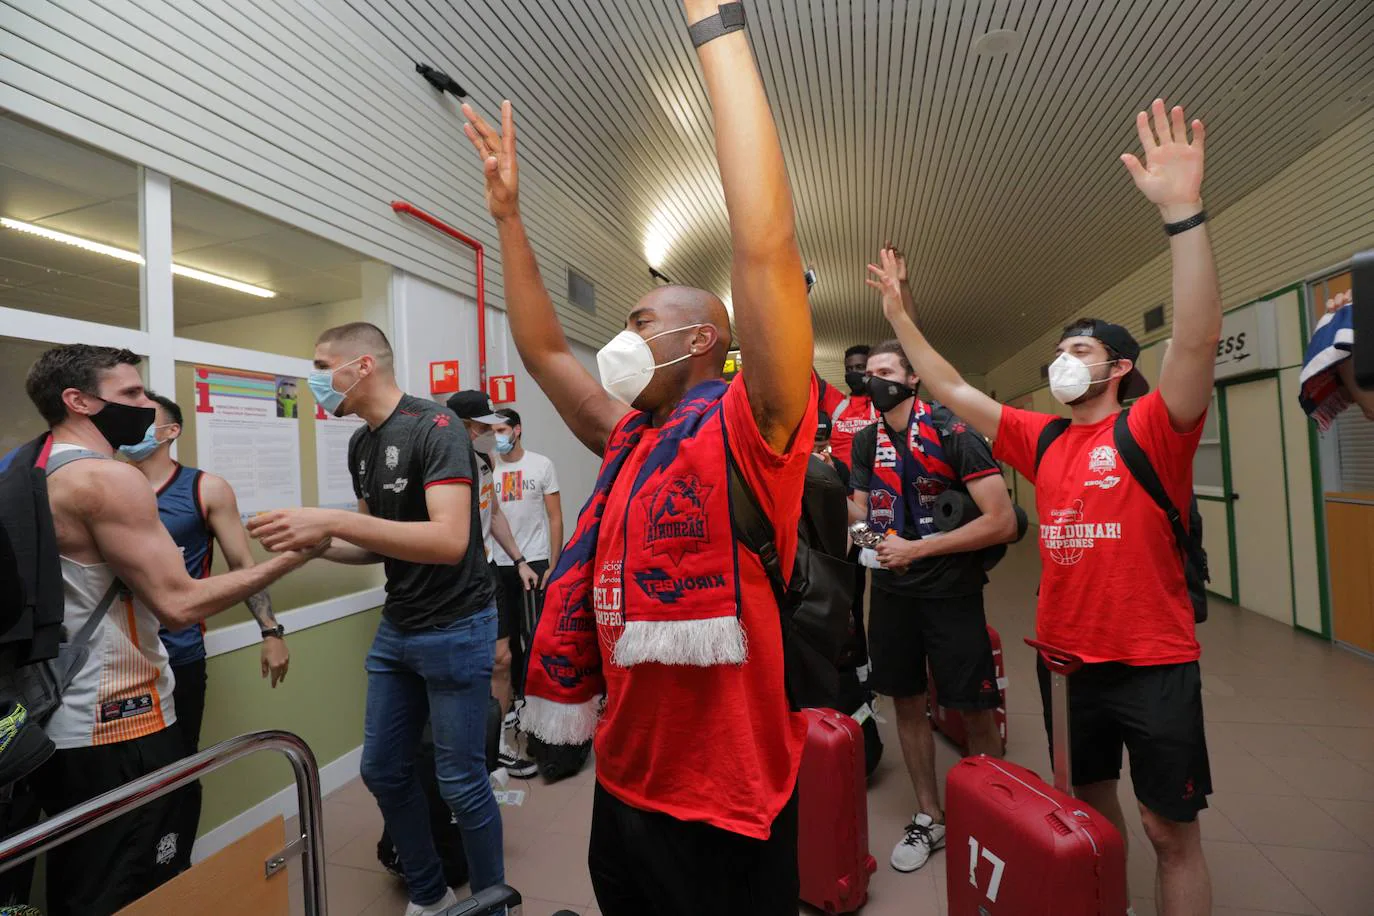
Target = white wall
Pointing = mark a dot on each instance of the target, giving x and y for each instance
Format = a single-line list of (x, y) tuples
[(433, 324), (1312, 215)]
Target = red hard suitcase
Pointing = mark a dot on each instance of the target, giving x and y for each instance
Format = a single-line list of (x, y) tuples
[(1018, 847), (949, 722), (832, 814)]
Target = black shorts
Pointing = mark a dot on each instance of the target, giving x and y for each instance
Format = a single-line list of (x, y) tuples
[(115, 864), (645, 862), (903, 632), (1155, 712)]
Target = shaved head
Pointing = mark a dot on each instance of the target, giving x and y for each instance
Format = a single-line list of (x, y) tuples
[(679, 306), (358, 338)]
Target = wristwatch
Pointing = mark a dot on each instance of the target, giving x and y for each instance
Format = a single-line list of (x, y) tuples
[(523, 562), (278, 631)]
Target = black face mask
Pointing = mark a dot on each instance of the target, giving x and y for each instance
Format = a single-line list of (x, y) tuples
[(887, 394), (857, 382), (123, 424)]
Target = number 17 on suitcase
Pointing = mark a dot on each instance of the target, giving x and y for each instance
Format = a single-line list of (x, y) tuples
[(1019, 847)]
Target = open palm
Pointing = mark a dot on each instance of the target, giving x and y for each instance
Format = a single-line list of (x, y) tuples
[(497, 152), (887, 279), (1172, 173)]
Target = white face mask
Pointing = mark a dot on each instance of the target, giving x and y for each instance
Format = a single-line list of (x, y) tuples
[(484, 443), (627, 363), (1070, 377)]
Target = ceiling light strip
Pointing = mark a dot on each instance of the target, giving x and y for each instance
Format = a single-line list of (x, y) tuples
[(133, 257)]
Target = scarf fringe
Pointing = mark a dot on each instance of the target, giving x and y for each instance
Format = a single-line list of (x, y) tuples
[(698, 643), (561, 723)]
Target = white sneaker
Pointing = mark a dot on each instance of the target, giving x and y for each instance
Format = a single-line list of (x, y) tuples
[(923, 837), (434, 909)]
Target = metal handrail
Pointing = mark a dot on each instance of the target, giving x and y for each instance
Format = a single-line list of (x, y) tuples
[(102, 809)]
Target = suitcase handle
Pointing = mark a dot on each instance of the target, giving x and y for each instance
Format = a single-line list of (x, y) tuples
[(1057, 660), (487, 901)]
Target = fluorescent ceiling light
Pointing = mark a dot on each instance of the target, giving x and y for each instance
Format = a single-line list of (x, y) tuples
[(133, 257)]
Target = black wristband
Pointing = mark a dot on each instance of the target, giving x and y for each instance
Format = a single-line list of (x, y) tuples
[(278, 631), (729, 17), (523, 562), (1183, 225)]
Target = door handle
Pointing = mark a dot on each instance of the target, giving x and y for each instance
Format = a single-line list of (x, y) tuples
[(1234, 497)]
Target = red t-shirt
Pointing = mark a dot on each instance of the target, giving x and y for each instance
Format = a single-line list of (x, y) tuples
[(830, 399), (858, 413), (1111, 580), (716, 744)]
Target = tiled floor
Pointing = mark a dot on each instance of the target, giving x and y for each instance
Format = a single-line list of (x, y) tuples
[(1290, 830)]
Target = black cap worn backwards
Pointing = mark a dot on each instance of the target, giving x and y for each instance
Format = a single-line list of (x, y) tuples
[(1118, 340)]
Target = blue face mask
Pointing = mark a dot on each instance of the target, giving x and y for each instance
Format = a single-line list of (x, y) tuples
[(142, 450), (505, 444), (321, 383)]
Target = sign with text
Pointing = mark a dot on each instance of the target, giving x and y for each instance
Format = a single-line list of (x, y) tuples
[(502, 389), (1249, 341), (247, 433), (443, 377)]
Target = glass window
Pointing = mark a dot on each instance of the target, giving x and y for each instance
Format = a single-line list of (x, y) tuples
[(1208, 476), (245, 280), (69, 240), (312, 583)]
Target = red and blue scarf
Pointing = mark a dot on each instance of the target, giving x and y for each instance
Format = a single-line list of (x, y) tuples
[(670, 597), (901, 490)]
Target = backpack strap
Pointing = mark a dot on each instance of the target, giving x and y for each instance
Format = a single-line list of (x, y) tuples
[(754, 530), (840, 408), (84, 635), (1053, 430), (1138, 463), (67, 456)]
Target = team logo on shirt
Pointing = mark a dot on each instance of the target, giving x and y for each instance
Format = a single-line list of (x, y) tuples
[(1068, 538), (1102, 461), (441, 420), (882, 510), (167, 849), (677, 518), (393, 457), (929, 490), (397, 486)]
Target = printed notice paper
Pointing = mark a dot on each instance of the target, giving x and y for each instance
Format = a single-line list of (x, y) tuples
[(331, 460), (247, 433)]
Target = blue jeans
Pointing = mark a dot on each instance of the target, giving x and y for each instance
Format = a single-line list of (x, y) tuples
[(443, 675)]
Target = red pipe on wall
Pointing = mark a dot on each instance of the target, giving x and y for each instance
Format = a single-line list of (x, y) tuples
[(409, 209)]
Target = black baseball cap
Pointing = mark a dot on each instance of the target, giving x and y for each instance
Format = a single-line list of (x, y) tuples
[(474, 406), (823, 426), (1119, 341)]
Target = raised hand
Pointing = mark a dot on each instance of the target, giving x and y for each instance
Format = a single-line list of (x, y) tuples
[(888, 280), (497, 152), (1171, 177), (1335, 302), (901, 260)]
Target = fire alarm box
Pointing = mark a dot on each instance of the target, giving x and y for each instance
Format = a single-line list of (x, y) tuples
[(443, 377), (502, 389)]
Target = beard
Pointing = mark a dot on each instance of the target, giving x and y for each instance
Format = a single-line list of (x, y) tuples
[(1099, 387)]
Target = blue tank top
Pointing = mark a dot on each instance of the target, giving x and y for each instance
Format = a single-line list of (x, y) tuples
[(179, 505)]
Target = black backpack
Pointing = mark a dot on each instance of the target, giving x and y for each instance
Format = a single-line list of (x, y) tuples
[(31, 620), (815, 600), (1189, 539)]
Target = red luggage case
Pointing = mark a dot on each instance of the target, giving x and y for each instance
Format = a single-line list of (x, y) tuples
[(1018, 847), (832, 814), (949, 722)]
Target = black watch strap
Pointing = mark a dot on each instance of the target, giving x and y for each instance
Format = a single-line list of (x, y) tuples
[(1183, 225), (729, 17), (278, 631)]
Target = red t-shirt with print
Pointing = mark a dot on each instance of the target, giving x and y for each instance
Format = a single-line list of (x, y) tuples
[(1111, 580), (716, 744), (857, 414)]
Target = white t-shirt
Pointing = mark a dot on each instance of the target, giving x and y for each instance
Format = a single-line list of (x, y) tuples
[(521, 487)]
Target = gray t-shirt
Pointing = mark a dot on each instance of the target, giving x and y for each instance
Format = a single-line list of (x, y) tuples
[(421, 445)]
